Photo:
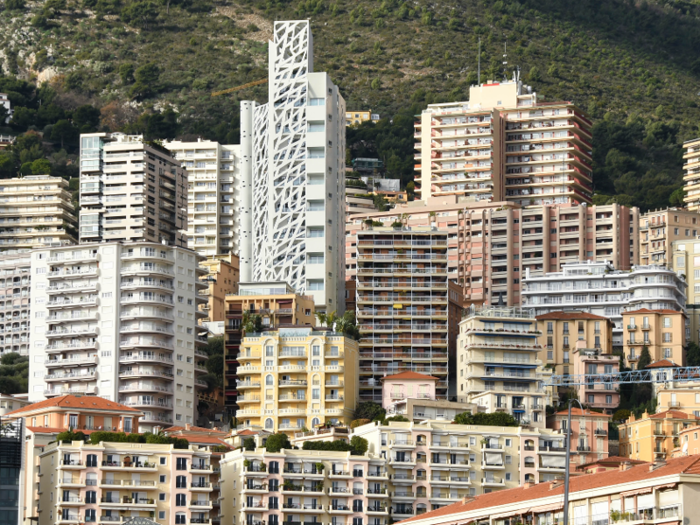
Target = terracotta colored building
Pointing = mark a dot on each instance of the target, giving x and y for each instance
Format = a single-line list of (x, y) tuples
[(407, 384), (653, 437), (661, 331)]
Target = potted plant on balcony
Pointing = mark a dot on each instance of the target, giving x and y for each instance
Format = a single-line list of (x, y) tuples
[(319, 467), (246, 464)]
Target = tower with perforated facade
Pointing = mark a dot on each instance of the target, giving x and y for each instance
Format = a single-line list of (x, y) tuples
[(292, 183)]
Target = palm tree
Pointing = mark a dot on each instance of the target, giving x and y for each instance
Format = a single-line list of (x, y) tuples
[(327, 319)]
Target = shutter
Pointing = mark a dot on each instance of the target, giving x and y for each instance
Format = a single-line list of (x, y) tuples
[(599, 511), (668, 497), (581, 515), (616, 504), (629, 505), (645, 501)]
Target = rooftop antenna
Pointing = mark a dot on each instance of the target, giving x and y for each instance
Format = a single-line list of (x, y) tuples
[(478, 74)]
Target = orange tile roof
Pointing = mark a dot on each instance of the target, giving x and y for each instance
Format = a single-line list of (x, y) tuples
[(409, 375), (46, 430), (247, 432), (206, 440), (570, 315), (71, 401), (663, 363), (673, 413), (609, 478), (611, 461), (647, 311), (576, 411)]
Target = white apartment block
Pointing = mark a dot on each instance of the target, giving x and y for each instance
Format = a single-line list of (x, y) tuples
[(597, 288), (130, 190), (35, 210), (212, 206), (292, 184), (118, 320), (15, 287)]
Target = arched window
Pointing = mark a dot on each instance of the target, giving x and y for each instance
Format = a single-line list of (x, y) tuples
[(530, 462), (269, 381), (315, 422), (269, 424), (180, 518), (181, 482), (420, 474)]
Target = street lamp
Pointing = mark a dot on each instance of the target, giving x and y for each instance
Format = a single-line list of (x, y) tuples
[(568, 461)]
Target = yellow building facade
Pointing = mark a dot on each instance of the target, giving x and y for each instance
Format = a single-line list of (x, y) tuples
[(563, 332), (653, 437), (296, 378), (661, 331), (691, 177)]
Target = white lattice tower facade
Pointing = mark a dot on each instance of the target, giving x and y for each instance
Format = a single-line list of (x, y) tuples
[(292, 173)]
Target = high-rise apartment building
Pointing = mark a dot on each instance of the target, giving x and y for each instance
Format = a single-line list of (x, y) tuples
[(15, 286), (407, 308), (130, 190), (118, 320), (600, 289), (212, 206), (492, 245), (691, 178), (660, 228), (35, 210), (296, 378), (498, 363), (292, 183), (504, 145)]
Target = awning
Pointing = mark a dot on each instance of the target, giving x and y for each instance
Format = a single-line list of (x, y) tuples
[(547, 508), (647, 490)]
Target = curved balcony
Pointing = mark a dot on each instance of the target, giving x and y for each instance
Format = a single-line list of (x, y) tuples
[(145, 328), (144, 269), (70, 288), (68, 273), (146, 298), (145, 313), (162, 374), (74, 316), (146, 387), (72, 332), (62, 302), (150, 284), (71, 376), (71, 361), (140, 358), (142, 342)]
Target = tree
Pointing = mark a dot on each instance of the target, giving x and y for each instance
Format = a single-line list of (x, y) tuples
[(126, 73), (86, 118), (249, 444), (140, 14), (621, 415), (277, 442), (64, 131), (644, 358), (41, 167), (676, 198), (359, 445), (347, 325), (252, 323), (215, 345), (14, 5), (692, 354), (215, 366), (370, 410), (496, 419), (147, 81), (534, 75)]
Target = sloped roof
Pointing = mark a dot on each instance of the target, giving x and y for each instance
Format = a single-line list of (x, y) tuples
[(71, 401), (647, 311), (663, 363), (576, 411), (196, 429), (570, 315), (672, 413), (611, 461), (609, 478), (410, 375)]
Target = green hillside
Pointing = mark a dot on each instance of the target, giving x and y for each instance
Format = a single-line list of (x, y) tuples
[(149, 66)]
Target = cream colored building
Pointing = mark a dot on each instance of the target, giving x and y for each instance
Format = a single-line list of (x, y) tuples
[(108, 482), (15, 287), (691, 178), (504, 145), (296, 378), (686, 262), (653, 437), (223, 275), (130, 190), (36, 210), (563, 332), (661, 331), (499, 363), (660, 228), (211, 201)]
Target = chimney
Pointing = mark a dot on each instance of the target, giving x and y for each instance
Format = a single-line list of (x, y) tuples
[(657, 464), (188, 426), (528, 484), (625, 465), (554, 484)]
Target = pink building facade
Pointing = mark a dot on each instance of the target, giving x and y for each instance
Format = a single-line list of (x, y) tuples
[(589, 434), (407, 384), (605, 397)]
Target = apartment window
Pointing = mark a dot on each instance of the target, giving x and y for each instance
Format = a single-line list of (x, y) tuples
[(161, 514), (181, 464), (550, 327), (667, 337), (668, 353), (161, 478), (608, 400), (181, 481), (667, 322), (161, 496), (91, 460), (180, 500), (162, 460)]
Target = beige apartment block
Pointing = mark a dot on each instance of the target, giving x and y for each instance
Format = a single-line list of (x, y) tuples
[(660, 228), (212, 169), (499, 363), (15, 318), (686, 262), (407, 308), (492, 245), (563, 332), (683, 397), (111, 482), (661, 331), (653, 437), (691, 178), (296, 378), (35, 210), (223, 275), (504, 145), (130, 190)]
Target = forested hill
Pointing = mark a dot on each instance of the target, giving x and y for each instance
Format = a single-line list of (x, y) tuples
[(150, 65)]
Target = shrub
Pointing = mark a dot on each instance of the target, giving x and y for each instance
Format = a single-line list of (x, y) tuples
[(249, 444), (359, 445), (277, 442)]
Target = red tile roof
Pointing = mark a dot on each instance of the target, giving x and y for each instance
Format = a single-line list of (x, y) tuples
[(575, 411), (195, 429), (247, 432), (70, 401), (611, 461), (610, 478), (673, 413), (46, 430), (410, 375), (570, 315), (663, 363), (647, 311)]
